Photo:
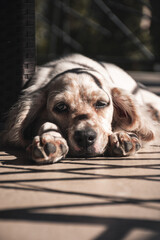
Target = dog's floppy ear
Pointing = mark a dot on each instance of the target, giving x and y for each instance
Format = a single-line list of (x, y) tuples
[(20, 116), (125, 111), (128, 116)]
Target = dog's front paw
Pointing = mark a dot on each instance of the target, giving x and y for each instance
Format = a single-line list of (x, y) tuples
[(46, 149), (123, 144)]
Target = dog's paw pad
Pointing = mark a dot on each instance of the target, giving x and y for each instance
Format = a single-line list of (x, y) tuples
[(63, 148), (117, 151), (138, 146), (45, 151), (49, 148), (37, 153), (123, 144), (128, 146)]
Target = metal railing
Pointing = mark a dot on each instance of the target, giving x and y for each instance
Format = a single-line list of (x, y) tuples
[(98, 28)]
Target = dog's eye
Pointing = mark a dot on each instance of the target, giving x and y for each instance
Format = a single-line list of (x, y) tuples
[(61, 107), (101, 104)]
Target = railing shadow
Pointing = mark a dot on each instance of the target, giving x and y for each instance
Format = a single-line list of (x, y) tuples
[(81, 170), (116, 228)]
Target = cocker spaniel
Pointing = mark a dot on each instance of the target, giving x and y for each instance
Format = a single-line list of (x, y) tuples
[(83, 108)]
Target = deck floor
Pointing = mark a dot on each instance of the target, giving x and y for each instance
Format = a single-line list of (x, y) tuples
[(81, 199)]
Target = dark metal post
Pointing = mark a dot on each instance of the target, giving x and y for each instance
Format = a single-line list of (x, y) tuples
[(17, 49)]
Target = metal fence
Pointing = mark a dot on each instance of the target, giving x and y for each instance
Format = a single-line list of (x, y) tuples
[(17, 49), (124, 32)]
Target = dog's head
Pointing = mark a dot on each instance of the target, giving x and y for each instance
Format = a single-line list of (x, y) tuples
[(86, 110), (83, 110)]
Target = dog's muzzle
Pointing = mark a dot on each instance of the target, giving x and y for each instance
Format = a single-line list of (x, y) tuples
[(85, 138)]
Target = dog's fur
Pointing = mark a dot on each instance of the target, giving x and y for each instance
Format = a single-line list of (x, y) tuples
[(83, 107)]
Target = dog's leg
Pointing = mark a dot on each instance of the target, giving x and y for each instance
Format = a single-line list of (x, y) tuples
[(123, 144), (48, 146)]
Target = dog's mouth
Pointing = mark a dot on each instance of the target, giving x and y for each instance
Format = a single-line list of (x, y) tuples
[(84, 152), (86, 144)]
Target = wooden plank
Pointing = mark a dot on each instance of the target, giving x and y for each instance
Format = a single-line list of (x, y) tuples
[(96, 198)]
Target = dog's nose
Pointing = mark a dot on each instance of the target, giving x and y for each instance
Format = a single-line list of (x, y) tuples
[(85, 138)]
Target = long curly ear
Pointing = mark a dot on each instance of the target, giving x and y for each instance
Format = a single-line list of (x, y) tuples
[(128, 115), (20, 116)]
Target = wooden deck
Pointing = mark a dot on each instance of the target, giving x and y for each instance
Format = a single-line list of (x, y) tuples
[(82, 199)]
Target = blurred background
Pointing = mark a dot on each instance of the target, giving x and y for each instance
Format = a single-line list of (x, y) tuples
[(125, 32)]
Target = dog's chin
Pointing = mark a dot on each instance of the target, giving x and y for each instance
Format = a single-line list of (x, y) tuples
[(85, 152)]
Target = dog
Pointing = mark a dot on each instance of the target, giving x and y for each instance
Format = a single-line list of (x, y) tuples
[(84, 108)]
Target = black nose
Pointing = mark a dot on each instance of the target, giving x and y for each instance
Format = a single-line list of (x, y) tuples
[(85, 138)]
